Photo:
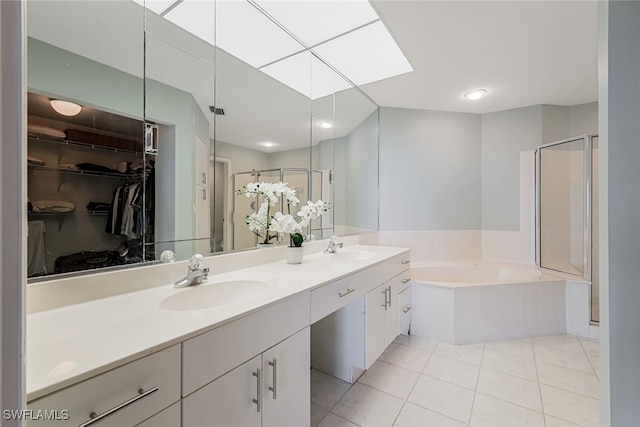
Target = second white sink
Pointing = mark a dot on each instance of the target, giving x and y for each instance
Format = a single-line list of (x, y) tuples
[(198, 297), (353, 255)]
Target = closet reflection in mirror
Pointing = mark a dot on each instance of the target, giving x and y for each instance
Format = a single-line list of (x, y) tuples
[(232, 100), (78, 159)]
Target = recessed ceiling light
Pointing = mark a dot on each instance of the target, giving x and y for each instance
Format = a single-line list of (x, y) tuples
[(268, 144), (65, 108), (475, 94), (325, 125)]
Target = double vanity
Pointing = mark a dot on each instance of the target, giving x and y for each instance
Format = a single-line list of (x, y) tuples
[(236, 350)]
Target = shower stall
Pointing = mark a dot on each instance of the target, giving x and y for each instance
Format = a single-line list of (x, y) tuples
[(308, 184), (567, 209)]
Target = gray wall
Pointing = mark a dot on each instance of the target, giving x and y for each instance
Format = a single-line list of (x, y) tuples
[(504, 135), (621, 141), (456, 171), (361, 175), (429, 170)]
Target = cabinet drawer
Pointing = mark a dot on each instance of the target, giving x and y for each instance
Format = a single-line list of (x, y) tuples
[(118, 388), (331, 297), (214, 353), (403, 280), (170, 417), (381, 273), (403, 262)]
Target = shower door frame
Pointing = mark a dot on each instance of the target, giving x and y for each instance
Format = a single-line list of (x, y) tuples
[(587, 214)]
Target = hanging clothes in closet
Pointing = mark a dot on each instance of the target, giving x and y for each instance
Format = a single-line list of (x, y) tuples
[(125, 217), (132, 215)]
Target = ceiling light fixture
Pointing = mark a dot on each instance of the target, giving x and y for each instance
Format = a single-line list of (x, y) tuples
[(325, 125), (475, 94), (65, 108), (268, 144)]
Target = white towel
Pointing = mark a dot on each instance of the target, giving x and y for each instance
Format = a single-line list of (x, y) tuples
[(36, 263), (57, 206)]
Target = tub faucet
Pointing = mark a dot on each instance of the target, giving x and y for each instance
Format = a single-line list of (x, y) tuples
[(196, 273), (333, 245)]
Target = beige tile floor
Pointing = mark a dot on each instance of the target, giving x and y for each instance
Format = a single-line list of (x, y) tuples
[(547, 381)]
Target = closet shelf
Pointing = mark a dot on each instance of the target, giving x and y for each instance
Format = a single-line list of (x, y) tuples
[(83, 145), (89, 213), (89, 173)]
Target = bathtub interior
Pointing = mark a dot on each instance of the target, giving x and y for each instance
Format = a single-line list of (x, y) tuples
[(476, 273)]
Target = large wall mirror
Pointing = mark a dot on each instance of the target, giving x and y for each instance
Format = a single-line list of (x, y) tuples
[(182, 103)]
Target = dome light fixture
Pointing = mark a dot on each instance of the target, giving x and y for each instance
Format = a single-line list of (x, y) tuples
[(475, 94), (65, 108), (268, 144), (325, 125)]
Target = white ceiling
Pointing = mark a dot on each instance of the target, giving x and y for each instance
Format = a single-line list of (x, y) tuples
[(522, 52)]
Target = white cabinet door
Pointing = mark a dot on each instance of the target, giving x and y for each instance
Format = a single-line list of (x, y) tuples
[(232, 400), (376, 304), (286, 394), (393, 287), (170, 417), (404, 311)]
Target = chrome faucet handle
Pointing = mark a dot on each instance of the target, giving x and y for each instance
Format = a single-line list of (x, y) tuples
[(333, 245), (195, 263)]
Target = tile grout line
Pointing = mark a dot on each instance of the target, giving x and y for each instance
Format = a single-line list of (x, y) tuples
[(475, 390), (416, 383), (535, 363), (589, 359)]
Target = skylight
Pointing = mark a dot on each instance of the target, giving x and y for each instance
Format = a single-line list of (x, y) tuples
[(243, 31), (366, 55), (347, 34), (157, 6), (317, 21), (195, 16)]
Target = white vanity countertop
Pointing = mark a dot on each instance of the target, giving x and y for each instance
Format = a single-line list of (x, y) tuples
[(69, 344)]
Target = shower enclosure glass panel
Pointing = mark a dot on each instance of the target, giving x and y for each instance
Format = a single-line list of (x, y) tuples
[(567, 220), (595, 232), (563, 216)]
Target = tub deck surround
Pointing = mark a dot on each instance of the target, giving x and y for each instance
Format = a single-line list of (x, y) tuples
[(68, 344), (470, 302)]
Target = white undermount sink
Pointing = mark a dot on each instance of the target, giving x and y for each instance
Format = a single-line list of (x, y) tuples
[(353, 255), (208, 295)]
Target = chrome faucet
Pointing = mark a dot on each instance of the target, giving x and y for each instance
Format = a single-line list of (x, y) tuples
[(333, 245), (196, 273)]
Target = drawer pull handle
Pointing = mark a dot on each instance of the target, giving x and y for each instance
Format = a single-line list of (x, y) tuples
[(258, 388), (405, 280), (347, 292), (95, 417), (405, 262), (406, 309), (274, 389)]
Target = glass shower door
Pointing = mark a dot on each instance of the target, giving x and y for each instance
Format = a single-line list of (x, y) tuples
[(563, 201)]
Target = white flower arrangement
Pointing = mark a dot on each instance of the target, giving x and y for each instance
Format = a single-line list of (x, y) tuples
[(263, 222)]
